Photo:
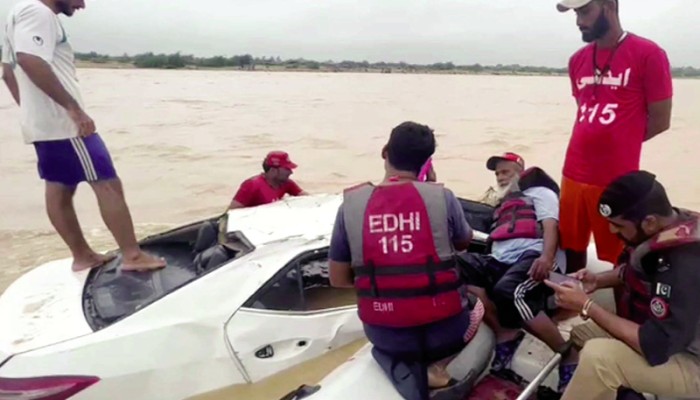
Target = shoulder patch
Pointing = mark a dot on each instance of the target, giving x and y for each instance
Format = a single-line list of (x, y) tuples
[(659, 308), (681, 232), (663, 290)]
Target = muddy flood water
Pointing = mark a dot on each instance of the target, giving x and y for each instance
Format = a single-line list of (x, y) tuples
[(182, 141)]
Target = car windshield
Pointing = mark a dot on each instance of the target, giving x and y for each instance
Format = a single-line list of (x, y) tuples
[(190, 251)]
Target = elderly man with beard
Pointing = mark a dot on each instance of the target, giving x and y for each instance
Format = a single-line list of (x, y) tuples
[(623, 90), (658, 350), (524, 250)]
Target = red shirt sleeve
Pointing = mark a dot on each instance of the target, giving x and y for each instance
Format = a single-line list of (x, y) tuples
[(246, 193), (658, 82), (293, 189)]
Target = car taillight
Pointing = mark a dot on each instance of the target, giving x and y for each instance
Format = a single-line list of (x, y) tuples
[(44, 388)]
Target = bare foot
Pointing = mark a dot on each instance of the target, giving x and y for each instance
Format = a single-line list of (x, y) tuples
[(90, 261), (143, 262)]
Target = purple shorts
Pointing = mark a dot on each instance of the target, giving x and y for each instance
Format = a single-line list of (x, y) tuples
[(75, 160)]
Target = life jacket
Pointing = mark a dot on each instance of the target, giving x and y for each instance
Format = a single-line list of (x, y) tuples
[(633, 298), (402, 256), (515, 216)]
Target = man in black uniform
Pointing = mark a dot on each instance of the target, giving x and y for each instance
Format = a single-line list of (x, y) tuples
[(662, 355)]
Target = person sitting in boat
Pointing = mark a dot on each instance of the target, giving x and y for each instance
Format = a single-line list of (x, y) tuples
[(270, 186), (394, 242), (658, 350), (524, 250)]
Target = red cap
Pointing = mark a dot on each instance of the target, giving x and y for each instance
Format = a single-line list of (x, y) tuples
[(509, 156), (279, 159)]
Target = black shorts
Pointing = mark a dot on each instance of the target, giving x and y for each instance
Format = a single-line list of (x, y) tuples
[(517, 297)]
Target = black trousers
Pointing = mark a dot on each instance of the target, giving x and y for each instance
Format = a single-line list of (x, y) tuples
[(517, 297)]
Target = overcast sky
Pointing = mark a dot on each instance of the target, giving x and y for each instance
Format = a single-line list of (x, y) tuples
[(417, 31)]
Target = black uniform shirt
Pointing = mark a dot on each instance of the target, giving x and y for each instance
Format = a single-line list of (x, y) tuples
[(674, 325)]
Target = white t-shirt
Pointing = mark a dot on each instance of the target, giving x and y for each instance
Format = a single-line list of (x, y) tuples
[(33, 28)]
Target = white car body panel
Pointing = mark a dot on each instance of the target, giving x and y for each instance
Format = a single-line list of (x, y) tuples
[(45, 307), (296, 337), (297, 217), (179, 346)]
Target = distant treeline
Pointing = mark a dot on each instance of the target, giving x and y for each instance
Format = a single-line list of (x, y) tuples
[(248, 62)]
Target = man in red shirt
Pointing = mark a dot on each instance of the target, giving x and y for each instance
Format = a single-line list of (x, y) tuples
[(269, 186), (623, 89)]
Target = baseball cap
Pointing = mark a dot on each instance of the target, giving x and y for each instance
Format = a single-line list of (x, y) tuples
[(509, 156), (566, 5), (279, 159)]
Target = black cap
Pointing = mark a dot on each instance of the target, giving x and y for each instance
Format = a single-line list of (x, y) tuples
[(626, 193)]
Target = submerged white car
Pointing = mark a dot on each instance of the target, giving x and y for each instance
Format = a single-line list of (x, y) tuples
[(244, 296)]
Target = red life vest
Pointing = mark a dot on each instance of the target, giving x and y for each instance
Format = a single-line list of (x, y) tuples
[(515, 217), (633, 298), (402, 256)]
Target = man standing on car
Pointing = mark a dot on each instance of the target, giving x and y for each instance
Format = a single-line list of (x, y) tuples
[(623, 90), (39, 71), (394, 243), (660, 354)]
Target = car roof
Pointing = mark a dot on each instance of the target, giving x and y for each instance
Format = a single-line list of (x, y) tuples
[(304, 217)]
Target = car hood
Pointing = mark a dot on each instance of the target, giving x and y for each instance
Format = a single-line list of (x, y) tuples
[(42, 307)]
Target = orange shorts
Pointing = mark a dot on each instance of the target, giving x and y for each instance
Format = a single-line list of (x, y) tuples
[(579, 217)]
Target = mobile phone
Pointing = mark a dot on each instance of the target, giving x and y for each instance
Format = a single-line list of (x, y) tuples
[(561, 278)]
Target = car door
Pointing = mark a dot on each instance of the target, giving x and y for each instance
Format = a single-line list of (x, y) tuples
[(295, 317)]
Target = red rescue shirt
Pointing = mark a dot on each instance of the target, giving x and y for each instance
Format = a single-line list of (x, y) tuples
[(611, 122), (257, 191)]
